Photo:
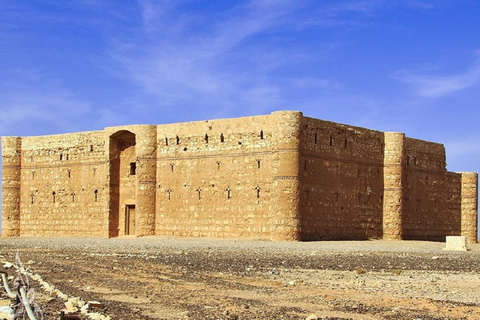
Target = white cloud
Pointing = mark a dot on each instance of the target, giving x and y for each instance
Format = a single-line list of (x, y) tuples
[(432, 86), (30, 103), (210, 65)]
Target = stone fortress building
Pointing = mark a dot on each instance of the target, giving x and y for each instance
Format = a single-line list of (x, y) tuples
[(281, 176)]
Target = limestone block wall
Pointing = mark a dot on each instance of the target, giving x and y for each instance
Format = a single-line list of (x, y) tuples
[(281, 176), (469, 205), (216, 178), (394, 186), (63, 189), (11, 185), (430, 210), (341, 181)]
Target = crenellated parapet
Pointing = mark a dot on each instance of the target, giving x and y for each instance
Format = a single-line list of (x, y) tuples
[(11, 184)]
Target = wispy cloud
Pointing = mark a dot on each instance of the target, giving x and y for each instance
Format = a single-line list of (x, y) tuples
[(211, 65), (35, 102), (433, 86)]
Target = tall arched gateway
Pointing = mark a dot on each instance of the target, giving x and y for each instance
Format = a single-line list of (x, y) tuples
[(123, 181)]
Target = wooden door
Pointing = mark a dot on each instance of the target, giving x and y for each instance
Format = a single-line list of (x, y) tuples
[(130, 220)]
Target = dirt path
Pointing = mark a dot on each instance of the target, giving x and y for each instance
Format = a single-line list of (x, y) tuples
[(158, 278)]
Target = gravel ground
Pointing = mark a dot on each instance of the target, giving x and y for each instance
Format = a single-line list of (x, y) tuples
[(166, 278)]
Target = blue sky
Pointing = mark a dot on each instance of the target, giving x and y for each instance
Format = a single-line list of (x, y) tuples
[(408, 66)]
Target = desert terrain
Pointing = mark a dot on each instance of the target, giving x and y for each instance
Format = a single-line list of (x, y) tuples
[(167, 278)]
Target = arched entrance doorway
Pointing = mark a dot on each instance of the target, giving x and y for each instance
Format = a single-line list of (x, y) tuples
[(123, 180)]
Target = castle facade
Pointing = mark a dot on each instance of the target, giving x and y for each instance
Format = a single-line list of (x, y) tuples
[(281, 176)]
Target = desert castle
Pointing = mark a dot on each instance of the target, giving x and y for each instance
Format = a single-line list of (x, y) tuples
[(281, 176)]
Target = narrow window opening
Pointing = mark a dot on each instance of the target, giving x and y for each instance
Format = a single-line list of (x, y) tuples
[(258, 191), (32, 198), (261, 134), (166, 141), (345, 143), (171, 166), (133, 168), (69, 174), (61, 156), (169, 194), (331, 141), (54, 196), (408, 160), (91, 148), (178, 140), (258, 163), (33, 174), (206, 138), (358, 173), (218, 165), (222, 138), (229, 192), (94, 171), (73, 197), (66, 157), (305, 165), (199, 193), (96, 195), (316, 138)]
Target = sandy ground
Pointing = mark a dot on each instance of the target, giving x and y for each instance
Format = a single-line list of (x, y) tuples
[(164, 278)]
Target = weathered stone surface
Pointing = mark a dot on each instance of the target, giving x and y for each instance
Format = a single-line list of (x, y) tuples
[(281, 176), (456, 243)]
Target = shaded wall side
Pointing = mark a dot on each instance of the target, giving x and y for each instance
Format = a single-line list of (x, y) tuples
[(215, 178), (11, 184), (431, 193), (63, 185), (469, 205), (341, 190)]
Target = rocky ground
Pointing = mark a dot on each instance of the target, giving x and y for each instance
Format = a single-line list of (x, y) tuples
[(159, 278)]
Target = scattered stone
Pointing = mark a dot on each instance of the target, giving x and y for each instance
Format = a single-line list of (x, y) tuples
[(312, 317), (456, 243), (95, 304), (5, 302), (7, 313), (8, 265)]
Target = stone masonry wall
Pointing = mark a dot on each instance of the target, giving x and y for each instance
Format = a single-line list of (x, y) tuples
[(341, 181), (431, 196), (215, 178), (63, 185), (281, 176)]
